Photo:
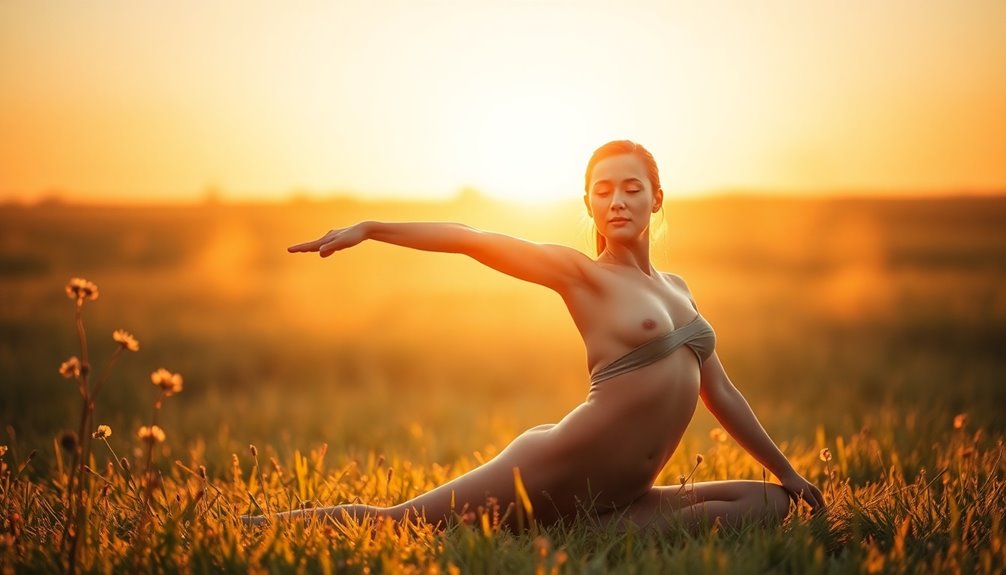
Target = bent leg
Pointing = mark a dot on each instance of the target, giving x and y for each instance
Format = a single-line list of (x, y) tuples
[(695, 505)]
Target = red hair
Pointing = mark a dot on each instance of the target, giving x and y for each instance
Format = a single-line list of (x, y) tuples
[(615, 148)]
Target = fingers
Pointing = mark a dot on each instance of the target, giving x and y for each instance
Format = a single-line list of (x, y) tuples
[(306, 246), (313, 246), (819, 497), (812, 495)]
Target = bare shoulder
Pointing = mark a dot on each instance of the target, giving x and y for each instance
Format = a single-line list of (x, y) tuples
[(679, 282)]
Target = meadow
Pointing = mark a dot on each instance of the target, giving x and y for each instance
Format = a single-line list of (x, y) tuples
[(867, 335)]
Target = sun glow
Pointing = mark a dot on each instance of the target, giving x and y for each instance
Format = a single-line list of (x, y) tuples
[(421, 99), (529, 148)]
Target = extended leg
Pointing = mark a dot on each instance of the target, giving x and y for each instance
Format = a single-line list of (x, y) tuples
[(353, 512), (695, 505), (464, 493)]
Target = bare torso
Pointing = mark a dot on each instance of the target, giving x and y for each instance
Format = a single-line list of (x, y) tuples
[(623, 434)]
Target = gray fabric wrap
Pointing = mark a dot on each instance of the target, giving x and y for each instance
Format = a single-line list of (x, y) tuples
[(696, 334)]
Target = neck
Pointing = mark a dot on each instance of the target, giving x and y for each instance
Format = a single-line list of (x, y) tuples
[(635, 255)]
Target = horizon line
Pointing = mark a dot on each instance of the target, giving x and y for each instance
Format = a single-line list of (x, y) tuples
[(469, 195)]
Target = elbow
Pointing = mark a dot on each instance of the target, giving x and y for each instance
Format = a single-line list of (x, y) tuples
[(468, 240), (717, 398)]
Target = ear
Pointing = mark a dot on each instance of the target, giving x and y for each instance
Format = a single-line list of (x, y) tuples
[(586, 202), (658, 199)]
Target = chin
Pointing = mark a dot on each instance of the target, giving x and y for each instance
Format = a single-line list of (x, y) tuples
[(628, 232)]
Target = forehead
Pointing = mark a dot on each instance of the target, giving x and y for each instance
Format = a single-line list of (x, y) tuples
[(619, 168)]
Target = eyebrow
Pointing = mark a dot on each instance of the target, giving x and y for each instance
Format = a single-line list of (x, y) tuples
[(609, 181)]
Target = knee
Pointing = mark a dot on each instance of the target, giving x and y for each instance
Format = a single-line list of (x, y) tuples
[(776, 502)]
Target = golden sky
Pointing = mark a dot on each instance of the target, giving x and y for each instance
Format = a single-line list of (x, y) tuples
[(138, 101)]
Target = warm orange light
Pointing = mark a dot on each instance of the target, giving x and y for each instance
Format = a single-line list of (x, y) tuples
[(420, 99)]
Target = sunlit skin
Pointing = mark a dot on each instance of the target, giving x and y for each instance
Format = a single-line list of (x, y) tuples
[(610, 449)]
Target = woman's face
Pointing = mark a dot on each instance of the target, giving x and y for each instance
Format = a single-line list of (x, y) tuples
[(621, 198)]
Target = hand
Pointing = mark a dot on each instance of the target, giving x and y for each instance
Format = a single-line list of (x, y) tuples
[(799, 488), (333, 241)]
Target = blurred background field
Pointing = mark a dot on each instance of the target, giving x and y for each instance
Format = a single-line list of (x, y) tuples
[(833, 314)]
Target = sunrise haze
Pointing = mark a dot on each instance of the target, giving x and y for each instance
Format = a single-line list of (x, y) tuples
[(125, 101)]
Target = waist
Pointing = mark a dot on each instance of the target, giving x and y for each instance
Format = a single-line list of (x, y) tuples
[(646, 413), (664, 392)]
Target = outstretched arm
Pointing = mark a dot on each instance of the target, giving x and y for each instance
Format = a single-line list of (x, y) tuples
[(735, 415), (550, 265)]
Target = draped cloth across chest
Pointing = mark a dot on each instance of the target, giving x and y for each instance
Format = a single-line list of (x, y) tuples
[(697, 334)]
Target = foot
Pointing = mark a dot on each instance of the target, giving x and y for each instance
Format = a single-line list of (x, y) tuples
[(254, 520)]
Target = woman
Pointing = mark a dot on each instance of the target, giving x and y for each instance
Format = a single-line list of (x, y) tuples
[(650, 355)]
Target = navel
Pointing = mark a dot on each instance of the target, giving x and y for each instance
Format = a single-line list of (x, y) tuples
[(649, 323)]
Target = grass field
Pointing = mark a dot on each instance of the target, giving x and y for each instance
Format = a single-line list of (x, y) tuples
[(873, 328)]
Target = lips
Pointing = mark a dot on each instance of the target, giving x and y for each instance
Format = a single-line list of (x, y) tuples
[(615, 220)]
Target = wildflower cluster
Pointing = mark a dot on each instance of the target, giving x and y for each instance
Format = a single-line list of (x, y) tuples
[(78, 444)]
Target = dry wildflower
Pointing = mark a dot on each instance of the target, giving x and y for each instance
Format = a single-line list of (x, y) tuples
[(202, 472), (3, 450), (70, 368), (124, 463), (80, 289), (254, 450), (126, 340), (102, 432), (698, 459), (170, 383), (825, 455), (717, 434), (960, 420), (682, 479), (152, 434)]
